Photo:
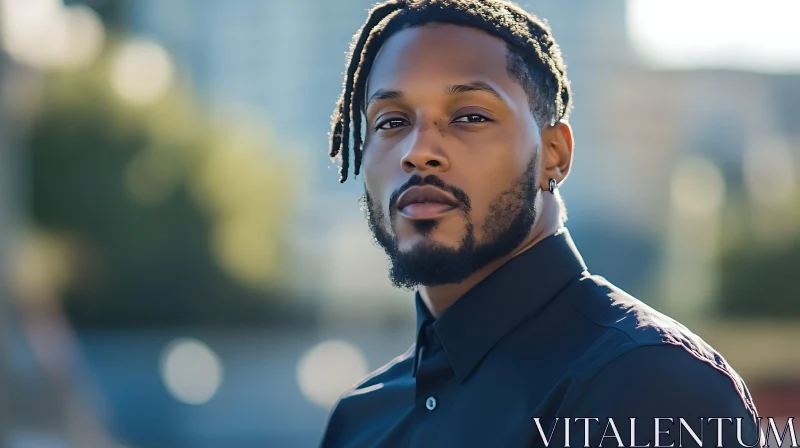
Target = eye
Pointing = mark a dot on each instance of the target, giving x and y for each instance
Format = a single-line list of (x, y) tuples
[(390, 123), (471, 118)]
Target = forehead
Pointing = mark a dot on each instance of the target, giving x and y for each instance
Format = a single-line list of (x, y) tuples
[(442, 52)]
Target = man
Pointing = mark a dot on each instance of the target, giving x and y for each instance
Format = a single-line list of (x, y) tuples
[(466, 141)]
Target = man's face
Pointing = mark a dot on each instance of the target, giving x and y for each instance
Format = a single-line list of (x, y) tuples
[(450, 155)]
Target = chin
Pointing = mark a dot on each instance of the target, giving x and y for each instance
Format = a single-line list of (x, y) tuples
[(420, 243), (429, 231)]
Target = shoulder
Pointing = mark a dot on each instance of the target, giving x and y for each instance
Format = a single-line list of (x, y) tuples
[(642, 355), (622, 322), (664, 377), (609, 307), (664, 387)]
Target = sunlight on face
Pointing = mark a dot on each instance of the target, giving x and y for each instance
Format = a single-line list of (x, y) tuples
[(426, 122), (450, 154)]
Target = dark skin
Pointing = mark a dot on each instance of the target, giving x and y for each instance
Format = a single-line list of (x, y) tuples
[(477, 140)]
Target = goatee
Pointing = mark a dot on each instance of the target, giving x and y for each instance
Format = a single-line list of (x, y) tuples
[(510, 217)]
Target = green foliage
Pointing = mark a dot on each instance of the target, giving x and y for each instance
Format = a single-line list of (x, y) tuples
[(136, 191), (761, 283)]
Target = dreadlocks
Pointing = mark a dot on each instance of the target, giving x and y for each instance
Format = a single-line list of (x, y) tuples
[(534, 60)]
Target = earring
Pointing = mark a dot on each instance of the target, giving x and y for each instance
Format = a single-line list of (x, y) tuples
[(553, 186)]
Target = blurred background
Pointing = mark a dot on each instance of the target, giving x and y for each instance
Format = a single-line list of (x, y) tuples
[(181, 268)]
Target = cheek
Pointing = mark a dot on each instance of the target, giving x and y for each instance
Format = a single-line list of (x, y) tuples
[(376, 195), (380, 156), (482, 201), (383, 172), (494, 175), (371, 175), (501, 151), (376, 169), (379, 194)]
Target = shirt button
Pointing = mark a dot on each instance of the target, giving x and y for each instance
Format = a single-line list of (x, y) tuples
[(430, 403)]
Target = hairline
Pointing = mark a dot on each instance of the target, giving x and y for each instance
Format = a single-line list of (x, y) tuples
[(513, 57)]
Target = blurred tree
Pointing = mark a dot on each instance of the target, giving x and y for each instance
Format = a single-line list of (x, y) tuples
[(758, 282), (166, 215), (760, 257), (113, 12)]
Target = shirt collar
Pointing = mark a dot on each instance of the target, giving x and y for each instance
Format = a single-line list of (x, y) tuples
[(470, 327), (424, 319)]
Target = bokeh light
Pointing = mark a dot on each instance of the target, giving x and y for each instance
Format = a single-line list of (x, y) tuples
[(141, 72), (45, 34), (191, 371), (328, 369), (697, 188)]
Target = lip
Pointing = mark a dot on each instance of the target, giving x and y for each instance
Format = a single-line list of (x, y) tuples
[(425, 202)]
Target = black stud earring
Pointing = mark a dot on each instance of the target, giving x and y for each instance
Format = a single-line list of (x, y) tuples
[(552, 186)]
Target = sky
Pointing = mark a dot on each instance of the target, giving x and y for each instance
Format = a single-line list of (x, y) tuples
[(751, 35)]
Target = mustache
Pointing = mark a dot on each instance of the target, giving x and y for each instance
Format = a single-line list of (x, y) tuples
[(434, 181)]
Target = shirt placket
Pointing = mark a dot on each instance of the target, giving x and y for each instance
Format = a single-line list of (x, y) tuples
[(433, 372)]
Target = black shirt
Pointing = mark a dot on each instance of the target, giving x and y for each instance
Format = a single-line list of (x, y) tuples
[(538, 341)]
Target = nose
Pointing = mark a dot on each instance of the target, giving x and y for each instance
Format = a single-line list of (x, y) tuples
[(425, 152)]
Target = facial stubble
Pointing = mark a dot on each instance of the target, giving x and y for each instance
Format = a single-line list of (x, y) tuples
[(510, 217)]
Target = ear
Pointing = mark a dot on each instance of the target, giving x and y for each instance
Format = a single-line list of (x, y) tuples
[(556, 155)]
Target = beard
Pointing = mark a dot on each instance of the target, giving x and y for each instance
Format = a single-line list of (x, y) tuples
[(510, 217)]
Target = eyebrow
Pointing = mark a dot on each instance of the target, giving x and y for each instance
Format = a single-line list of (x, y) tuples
[(454, 89), (474, 86), (383, 94)]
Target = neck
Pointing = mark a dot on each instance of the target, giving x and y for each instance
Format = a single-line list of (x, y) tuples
[(439, 298)]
